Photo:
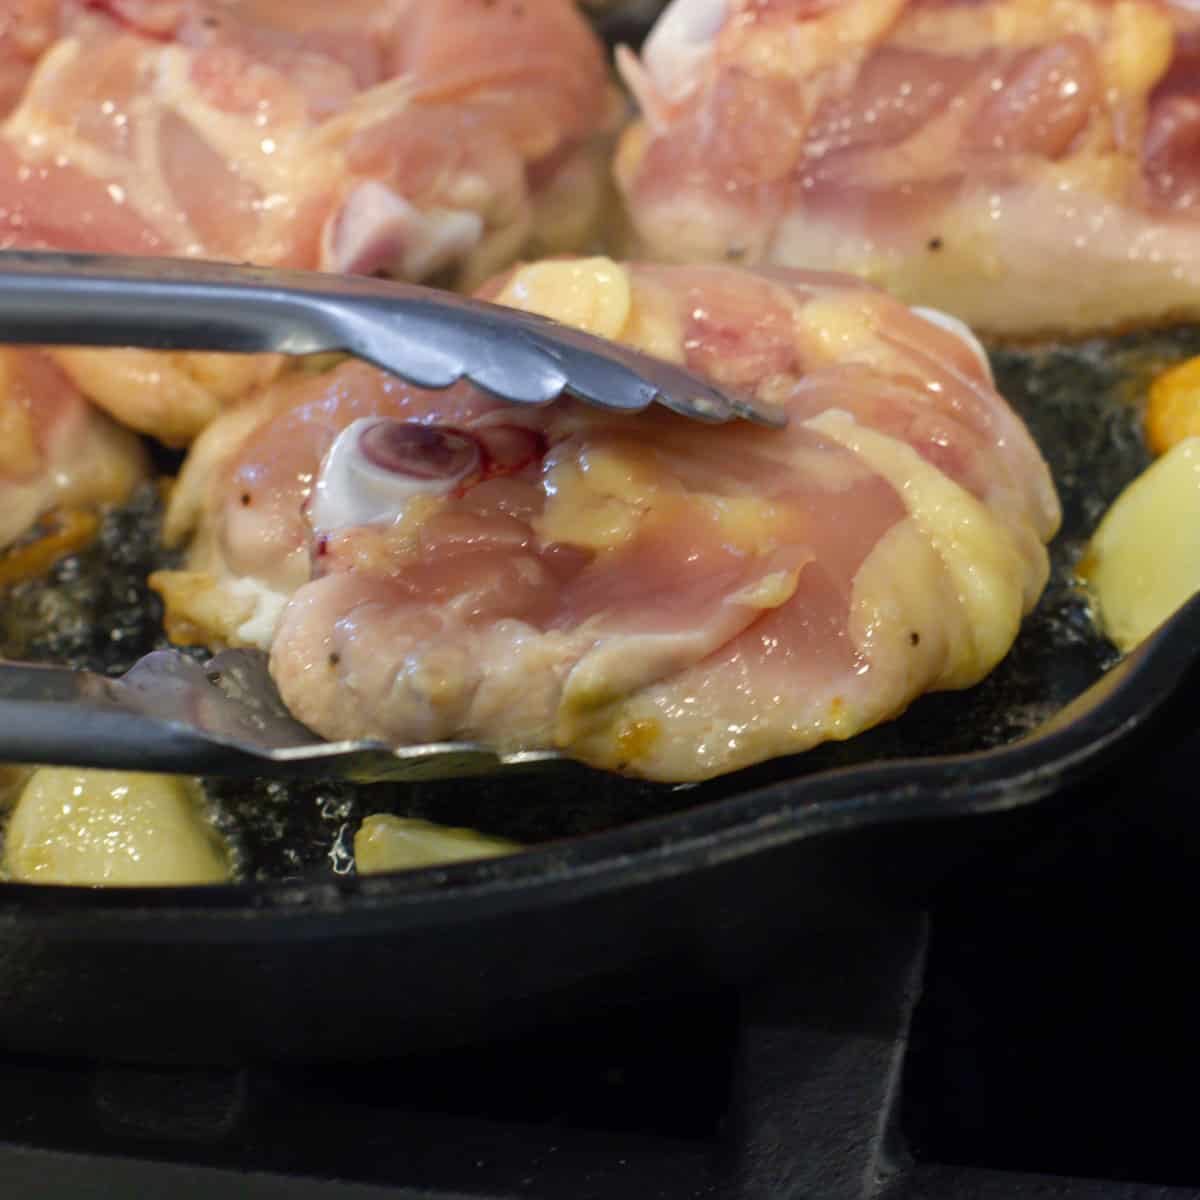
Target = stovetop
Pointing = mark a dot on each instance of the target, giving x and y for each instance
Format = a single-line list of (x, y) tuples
[(1034, 1035)]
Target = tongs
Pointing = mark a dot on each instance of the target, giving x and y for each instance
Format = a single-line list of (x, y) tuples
[(174, 714), (427, 337)]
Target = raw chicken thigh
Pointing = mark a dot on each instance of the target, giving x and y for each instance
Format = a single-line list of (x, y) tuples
[(648, 594), (27, 27), (408, 137), (1032, 166), (56, 451)]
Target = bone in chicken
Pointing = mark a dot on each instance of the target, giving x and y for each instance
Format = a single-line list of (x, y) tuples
[(1030, 166), (410, 139), (645, 593)]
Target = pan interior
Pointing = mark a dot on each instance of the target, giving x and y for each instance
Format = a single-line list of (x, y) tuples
[(1083, 404)]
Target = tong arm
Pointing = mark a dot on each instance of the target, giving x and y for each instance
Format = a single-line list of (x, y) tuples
[(428, 337)]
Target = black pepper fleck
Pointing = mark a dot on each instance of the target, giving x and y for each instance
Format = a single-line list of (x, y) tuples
[(935, 243), (914, 638)]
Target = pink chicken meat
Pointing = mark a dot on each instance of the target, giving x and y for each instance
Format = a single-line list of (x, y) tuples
[(415, 138), (398, 137), (645, 593), (1032, 166), (56, 450)]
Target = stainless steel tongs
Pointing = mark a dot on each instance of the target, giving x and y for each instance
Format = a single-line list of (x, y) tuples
[(173, 714), (430, 338)]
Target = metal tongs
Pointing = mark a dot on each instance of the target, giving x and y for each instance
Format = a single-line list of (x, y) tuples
[(427, 337), (173, 714)]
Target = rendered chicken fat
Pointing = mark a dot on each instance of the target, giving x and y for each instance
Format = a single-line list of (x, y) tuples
[(591, 294)]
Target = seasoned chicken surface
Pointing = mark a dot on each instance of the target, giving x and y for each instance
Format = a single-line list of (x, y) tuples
[(648, 594), (56, 451), (27, 27), (438, 137), (1030, 165)]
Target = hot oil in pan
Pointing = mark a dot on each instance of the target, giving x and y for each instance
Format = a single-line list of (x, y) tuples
[(93, 609), (1082, 405)]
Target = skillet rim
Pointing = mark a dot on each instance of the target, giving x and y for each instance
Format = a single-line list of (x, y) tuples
[(1127, 699)]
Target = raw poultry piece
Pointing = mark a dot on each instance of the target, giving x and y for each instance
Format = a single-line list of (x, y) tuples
[(412, 139), (1032, 166), (27, 27), (647, 593), (56, 453)]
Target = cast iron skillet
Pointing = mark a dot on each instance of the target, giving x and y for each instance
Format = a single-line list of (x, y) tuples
[(704, 888)]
